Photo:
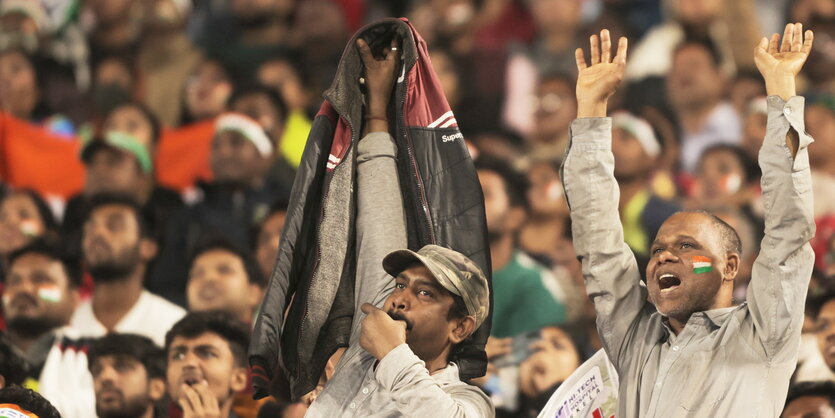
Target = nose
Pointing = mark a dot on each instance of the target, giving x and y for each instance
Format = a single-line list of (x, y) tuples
[(107, 374), (667, 256), (400, 301)]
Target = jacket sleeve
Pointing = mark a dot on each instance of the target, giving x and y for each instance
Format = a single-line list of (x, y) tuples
[(264, 348), (611, 273), (381, 225), (781, 273), (417, 394)]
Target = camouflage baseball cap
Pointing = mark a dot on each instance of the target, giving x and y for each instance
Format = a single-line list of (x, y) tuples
[(453, 270)]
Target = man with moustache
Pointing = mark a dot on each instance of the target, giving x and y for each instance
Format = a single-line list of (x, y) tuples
[(40, 294), (117, 248), (128, 375), (680, 346), (413, 309)]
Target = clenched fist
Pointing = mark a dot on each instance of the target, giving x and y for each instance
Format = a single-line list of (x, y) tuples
[(380, 333)]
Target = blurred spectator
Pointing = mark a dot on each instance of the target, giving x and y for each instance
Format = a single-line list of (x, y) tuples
[(553, 107), (810, 399), (115, 27), (818, 16), (206, 91), (319, 34), (282, 76), (237, 199), (224, 277), (554, 358), (525, 293), (548, 219), (206, 363), (41, 292), (448, 75), (731, 24), (727, 176), (695, 87), (165, 57), (20, 90), (128, 374), (558, 25), (122, 162), (755, 116), (250, 32), (825, 329), (24, 217), (17, 401), (268, 238), (114, 82), (268, 109), (745, 87), (820, 123), (636, 150), (117, 248), (13, 367)]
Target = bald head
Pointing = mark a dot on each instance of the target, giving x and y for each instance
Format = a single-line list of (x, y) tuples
[(729, 238)]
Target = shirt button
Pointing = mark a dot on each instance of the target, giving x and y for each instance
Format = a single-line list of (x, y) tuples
[(675, 348), (787, 111), (353, 405), (658, 384), (365, 391)]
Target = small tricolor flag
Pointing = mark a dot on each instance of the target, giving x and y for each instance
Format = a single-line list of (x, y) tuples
[(50, 293), (701, 265)]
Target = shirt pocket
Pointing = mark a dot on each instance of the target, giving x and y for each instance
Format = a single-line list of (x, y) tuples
[(702, 378)]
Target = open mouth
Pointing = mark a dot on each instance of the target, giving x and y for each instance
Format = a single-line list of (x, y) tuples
[(668, 282)]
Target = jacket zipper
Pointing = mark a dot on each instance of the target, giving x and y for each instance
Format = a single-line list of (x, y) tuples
[(410, 150)]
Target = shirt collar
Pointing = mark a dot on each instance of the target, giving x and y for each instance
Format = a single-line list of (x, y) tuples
[(716, 317)]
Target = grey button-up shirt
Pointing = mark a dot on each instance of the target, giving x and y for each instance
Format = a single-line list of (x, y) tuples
[(399, 384), (732, 362)]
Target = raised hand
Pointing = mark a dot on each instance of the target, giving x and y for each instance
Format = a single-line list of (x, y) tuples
[(598, 81), (779, 67), (379, 80)]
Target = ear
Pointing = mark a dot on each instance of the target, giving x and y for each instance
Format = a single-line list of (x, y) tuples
[(731, 267), (2, 381), (156, 388), (147, 248), (239, 379), (464, 327)]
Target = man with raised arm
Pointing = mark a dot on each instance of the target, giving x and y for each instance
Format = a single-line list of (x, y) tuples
[(412, 308), (679, 344)]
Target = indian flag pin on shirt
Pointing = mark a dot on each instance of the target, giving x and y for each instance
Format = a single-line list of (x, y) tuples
[(50, 293), (701, 265)]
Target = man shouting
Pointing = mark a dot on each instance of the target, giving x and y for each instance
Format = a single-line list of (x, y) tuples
[(679, 344)]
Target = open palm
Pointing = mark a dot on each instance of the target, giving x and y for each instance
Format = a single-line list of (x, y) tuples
[(598, 81), (789, 58)]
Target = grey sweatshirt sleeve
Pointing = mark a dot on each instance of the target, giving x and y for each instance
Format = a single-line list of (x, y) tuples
[(381, 223), (417, 394)]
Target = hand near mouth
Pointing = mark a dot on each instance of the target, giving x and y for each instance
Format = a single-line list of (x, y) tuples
[(380, 333), (198, 402)]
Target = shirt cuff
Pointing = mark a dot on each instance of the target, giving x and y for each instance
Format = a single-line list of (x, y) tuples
[(789, 112), (391, 367), (591, 133)]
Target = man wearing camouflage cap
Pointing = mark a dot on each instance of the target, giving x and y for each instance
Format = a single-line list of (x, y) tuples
[(415, 309)]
